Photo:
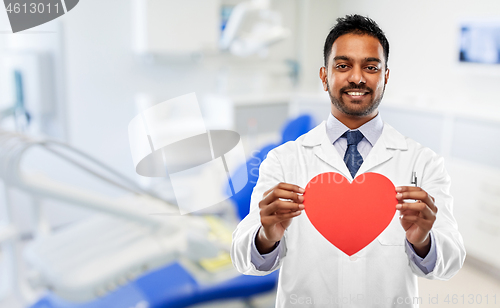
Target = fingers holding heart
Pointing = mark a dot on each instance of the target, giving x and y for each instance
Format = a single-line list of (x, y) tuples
[(415, 193), (422, 212), (418, 209)]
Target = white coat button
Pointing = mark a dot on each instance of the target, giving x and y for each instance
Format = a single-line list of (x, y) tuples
[(353, 258)]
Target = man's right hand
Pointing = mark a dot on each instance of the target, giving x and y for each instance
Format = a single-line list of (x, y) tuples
[(279, 205)]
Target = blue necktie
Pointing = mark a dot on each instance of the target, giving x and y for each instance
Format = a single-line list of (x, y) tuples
[(352, 158)]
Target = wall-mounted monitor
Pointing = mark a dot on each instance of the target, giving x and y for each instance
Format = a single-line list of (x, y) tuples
[(480, 42)]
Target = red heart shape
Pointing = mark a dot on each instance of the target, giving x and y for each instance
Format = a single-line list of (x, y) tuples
[(350, 215)]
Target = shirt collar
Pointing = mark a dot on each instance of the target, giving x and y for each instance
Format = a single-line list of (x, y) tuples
[(371, 130)]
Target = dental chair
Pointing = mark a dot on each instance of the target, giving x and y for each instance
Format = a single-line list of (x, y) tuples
[(138, 252), (292, 130)]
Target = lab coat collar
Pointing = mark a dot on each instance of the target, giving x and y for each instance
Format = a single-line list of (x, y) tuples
[(382, 151), (391, 138)]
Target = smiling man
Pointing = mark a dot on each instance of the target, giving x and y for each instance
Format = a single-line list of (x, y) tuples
[(419, 241)]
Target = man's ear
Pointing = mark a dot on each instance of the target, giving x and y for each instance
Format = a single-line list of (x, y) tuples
[(386, 75), (323, 77)]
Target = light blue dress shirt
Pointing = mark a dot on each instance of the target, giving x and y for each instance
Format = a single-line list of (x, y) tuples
[(371, 131)]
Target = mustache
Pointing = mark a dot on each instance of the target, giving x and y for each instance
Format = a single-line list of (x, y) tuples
[(354, 86)]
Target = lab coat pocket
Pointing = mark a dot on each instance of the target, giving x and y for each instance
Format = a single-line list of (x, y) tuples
[(394, 234)]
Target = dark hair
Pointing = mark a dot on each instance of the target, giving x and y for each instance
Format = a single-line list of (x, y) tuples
[(356, 24)]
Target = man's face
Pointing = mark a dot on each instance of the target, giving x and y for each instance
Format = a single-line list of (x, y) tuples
[(355, 76)]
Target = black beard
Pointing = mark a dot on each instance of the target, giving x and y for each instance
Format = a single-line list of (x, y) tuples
[(342, 107)]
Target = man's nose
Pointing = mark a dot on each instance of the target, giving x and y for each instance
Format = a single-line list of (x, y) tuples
[(357, 76)]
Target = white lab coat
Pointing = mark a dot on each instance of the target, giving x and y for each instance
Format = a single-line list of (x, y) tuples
[(314, 273)]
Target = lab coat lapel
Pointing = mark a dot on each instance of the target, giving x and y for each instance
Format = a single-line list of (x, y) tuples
[(384, 148), (324, 149), (327, 153)]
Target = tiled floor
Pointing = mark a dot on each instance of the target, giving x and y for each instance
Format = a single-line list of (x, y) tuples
[(470, 288)]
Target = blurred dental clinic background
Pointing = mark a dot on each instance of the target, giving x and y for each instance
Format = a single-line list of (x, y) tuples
[(78, 226)]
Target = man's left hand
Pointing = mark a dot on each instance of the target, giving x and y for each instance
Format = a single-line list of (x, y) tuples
[(417, 218)]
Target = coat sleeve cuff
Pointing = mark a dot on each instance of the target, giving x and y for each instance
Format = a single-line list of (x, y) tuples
[(264, 262), (427, 264)]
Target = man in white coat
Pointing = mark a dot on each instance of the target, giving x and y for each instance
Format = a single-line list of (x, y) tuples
[(419, 241)]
